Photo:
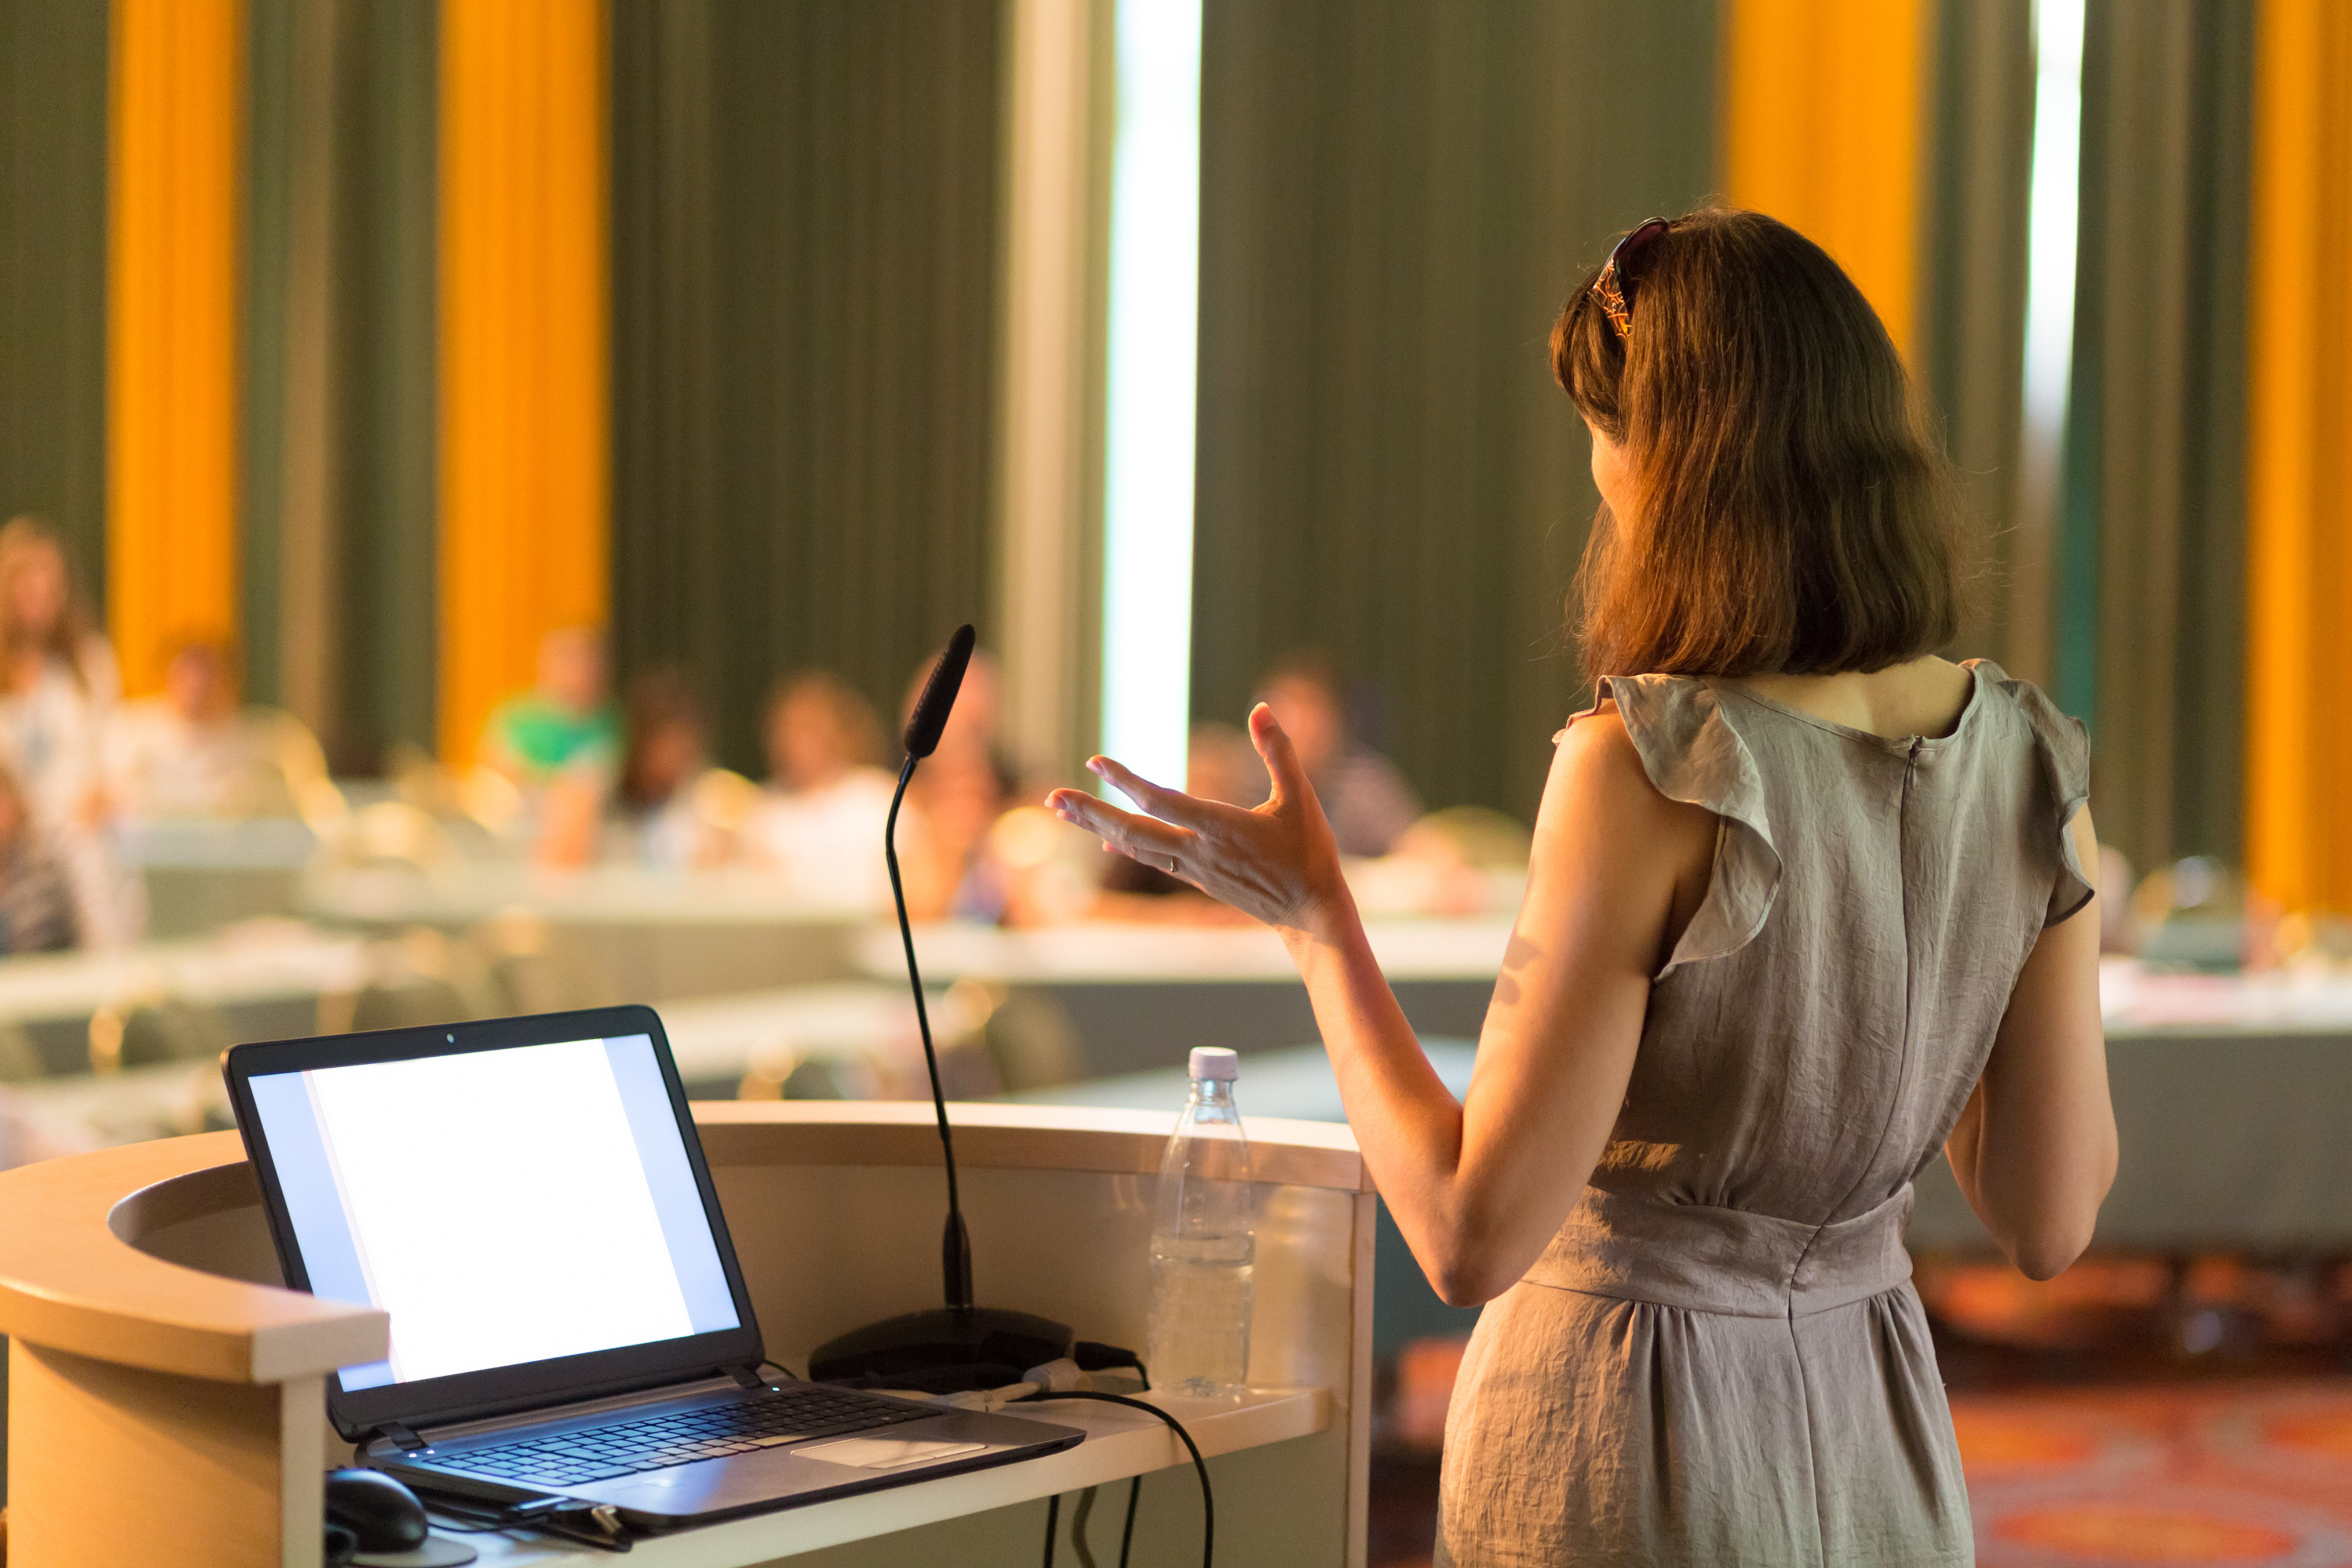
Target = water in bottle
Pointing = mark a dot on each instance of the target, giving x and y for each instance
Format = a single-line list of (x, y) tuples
[(1202, 1242)]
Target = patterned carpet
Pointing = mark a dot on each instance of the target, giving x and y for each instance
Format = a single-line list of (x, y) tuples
[(2242, 1472), (2254, 1475)]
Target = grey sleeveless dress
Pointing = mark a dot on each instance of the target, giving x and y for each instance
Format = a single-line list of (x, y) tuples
[(1720, 1359)]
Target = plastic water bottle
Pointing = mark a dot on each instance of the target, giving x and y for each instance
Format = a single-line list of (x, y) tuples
[(1203, 1241)]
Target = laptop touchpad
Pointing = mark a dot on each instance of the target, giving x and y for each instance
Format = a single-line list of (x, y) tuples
[(886, 1453)]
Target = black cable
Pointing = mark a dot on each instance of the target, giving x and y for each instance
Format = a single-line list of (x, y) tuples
[(1200, 1465), (1127, 1536), (1081, 1520), (1052, 1524), (454, 1513)]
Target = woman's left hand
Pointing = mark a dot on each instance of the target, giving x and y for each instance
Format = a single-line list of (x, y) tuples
[(1277, 862)]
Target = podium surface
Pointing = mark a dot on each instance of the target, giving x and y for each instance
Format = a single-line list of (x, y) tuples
[(167, 1397)]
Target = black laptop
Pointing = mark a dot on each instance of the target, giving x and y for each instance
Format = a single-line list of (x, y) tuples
[(527, 1199)]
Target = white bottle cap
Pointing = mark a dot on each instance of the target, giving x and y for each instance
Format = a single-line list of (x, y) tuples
[(1215, 1061)]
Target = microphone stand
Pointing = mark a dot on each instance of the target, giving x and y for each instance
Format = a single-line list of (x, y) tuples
[(955, 1243), (961, 1346)]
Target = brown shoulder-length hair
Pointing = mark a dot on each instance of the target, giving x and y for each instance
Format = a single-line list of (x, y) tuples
[(68, 639), (1794, 511)]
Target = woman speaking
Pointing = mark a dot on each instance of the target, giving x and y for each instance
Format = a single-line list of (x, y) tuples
[(1806, 905)]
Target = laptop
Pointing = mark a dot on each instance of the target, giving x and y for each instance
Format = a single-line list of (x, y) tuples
[(527, 1199)]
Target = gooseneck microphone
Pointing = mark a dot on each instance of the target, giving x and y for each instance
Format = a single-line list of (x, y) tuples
[(924, 727), (962, 1346)]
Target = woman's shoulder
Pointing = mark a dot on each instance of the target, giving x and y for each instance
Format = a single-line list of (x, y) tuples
[(1641, 706), (1667, 735), (2058, 740)]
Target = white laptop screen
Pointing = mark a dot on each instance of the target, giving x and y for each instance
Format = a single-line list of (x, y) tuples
[(504, 1207)]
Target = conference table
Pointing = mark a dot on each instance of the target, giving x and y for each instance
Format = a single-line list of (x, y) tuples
[(2231, 1090), (1138, 997), (2231, 1096), (202, 876), (616, 933), (262, 977)]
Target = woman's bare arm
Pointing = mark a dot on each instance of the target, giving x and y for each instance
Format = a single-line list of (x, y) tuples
[(2035, 1148), (1479, 1187)]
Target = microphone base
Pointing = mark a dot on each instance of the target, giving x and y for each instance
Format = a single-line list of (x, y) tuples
[(947, 1350)]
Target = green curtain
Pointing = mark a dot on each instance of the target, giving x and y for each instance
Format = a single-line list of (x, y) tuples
[(337, 591), (804, 251), (2151, 586), (1396, 196), (53, 134), (1972, 343)]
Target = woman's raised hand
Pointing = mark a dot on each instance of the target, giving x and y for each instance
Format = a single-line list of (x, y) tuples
[(1277, 862)]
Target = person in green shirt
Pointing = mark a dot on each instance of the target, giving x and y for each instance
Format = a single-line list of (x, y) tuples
[(564, 723)]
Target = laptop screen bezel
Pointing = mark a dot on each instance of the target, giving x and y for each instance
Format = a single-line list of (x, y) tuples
[(494, 1391)]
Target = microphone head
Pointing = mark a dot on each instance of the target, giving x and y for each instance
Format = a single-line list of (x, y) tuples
[(930, 716)]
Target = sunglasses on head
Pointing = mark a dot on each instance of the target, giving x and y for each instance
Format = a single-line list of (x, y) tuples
[(1623, 270)]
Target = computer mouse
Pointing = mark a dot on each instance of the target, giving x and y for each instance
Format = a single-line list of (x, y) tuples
[(384, 1514)]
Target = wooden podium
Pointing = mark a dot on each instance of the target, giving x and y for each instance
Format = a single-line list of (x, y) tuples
[(167, 1398)]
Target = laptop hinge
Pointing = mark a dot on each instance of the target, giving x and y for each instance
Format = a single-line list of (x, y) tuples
[(403, 1437), (747, 1376)]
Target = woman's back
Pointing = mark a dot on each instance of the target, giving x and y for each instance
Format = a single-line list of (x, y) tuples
[(1721, 1348), (1828, 1009)]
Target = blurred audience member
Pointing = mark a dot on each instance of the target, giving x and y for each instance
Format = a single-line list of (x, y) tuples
[(654, 819), (959, 793), (60, 678), (59, 682), (562, 724), (1463, 860), (37, 908), (1219, 764), (195, 751), (1366, 799), (820, 823)]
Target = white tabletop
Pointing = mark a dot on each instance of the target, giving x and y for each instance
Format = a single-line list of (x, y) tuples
[(257, 961), (1119, 1443), (1110, 953), (464, 891)]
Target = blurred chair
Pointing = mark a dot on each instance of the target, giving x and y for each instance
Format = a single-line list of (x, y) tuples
[(519, 971), (1477, 836), (723, 803), (156, 1033), (491, 798), (778, 1071), (409, 1001), (20, 1059), (302, 764), (1026, 1035), (2191, 914), (389, 835), (481, 805)]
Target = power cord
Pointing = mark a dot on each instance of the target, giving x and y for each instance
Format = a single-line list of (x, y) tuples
[(1082, 1526), (590, 1524), (1199, 1468)]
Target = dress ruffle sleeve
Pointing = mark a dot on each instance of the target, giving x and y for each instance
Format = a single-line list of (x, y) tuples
[(1693, 755), (2063, 750)]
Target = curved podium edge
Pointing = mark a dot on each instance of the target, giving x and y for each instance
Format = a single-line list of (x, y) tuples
[(72, 1279), (995, 1136)]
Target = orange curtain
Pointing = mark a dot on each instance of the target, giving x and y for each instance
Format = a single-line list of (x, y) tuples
[(525, 483), (1823, 124), (2299, 459), (171, 443)]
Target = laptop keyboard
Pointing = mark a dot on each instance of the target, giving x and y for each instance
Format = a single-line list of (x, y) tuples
[(789, 1415)]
